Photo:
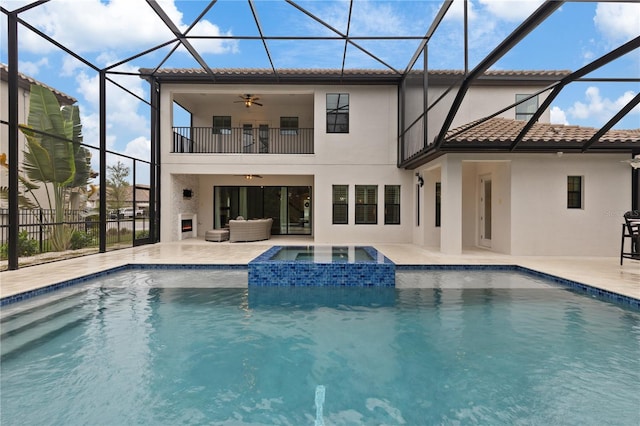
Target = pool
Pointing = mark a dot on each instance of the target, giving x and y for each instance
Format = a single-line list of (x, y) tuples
[(324, 254), (361, 266), (165, 347)]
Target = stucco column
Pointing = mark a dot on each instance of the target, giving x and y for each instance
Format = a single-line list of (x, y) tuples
[(451, 207)]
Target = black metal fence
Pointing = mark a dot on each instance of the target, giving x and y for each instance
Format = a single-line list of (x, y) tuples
[(239, 140), (36, 226)]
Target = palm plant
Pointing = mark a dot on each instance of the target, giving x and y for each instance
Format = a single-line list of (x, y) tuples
[(55, 157)]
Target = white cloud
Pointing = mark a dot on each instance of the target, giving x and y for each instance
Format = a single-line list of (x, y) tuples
[(70, 65), (588, 55), (376, 18), (33, 68), (489, 22), (558, 116), (456, 11), (122, 109), (139, 147), (369, 17), (114, 26), (511, 10), (618, 22), (206, 28), (599, 109)]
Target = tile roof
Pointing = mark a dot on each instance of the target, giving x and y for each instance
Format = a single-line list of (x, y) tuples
[(508, 73), (318, 73), (502, 131), (25, 82), (328, 71)]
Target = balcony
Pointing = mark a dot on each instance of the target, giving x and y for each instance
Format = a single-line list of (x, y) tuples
[(239, 140)]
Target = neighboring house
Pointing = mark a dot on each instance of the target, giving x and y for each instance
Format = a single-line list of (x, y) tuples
[(24, 87), (318, 151), (141, 199)]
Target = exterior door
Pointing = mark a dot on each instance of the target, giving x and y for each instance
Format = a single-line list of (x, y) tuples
[(263, 138), (248, 142), (288, 206), (485, 211)]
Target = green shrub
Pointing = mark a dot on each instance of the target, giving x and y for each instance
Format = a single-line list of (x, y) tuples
[(113, 232), (80, 240), (26, 246), (141, 235)]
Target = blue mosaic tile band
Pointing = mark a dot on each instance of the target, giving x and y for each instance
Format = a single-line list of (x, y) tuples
[(574, 285), (133, 266), (378, 271)]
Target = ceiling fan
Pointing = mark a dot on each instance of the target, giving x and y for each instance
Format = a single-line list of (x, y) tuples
[(250, 176), (248, 100)]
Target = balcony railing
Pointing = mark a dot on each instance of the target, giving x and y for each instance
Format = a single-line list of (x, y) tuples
[(242, 140)]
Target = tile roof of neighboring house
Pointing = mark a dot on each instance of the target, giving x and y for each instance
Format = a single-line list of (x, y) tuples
[(25, 82), (312, 75), (142, 194), (502, 131)]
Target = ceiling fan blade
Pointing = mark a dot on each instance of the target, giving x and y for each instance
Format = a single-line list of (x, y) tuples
[(250, 176), (256, 103)]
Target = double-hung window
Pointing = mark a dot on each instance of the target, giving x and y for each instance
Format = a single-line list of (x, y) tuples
[(221, 124), (337, 113), (288, 125), (574, 192), (340, 204), (526, 109), (366, 204), (392, 204)]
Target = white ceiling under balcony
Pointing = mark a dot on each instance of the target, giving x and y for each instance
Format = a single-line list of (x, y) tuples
[(232, 101)]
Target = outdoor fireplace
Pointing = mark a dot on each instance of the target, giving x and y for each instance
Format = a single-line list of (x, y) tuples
[(187, 224)]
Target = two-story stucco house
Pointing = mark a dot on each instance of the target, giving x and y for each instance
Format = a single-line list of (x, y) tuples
[(345, 157)]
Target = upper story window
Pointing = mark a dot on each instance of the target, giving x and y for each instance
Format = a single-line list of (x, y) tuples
[(366, 204), (340, 204), (574, 192), (337, 113), (526, 109), (222, 124), (288, 125)]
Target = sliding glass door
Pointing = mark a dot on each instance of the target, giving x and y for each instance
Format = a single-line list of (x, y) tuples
[(288, 206)]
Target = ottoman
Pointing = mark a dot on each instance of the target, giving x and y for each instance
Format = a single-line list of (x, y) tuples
[(217, 235)]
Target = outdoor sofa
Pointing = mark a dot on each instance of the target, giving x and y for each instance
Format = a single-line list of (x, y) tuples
[(250, 230)]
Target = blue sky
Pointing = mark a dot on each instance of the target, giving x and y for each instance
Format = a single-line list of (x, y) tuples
[(107, 32)]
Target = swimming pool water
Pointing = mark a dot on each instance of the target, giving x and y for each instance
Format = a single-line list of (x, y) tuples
[(324, 254), (164, 348)]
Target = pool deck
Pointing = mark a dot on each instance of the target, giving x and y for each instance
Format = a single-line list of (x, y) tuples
[(601, 272)]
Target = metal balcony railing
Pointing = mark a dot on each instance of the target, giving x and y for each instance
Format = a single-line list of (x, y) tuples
[(236, 140)]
